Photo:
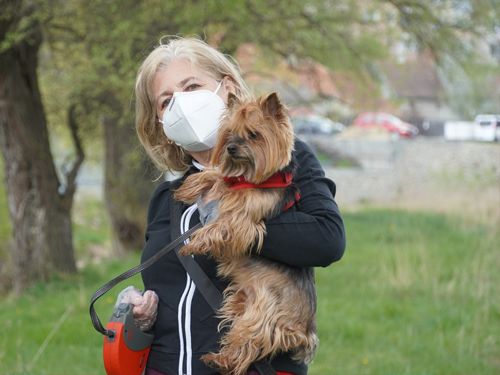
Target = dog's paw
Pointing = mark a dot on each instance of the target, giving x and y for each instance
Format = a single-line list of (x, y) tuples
[(218, 362), (187, 250), (192, 248)]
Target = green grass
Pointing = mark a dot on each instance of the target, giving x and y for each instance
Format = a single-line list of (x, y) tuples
[(91, 229), (5, 226), (415, 293), (5, 236), (75, 348)]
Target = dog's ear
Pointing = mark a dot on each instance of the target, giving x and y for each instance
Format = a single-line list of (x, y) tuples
[(273, 106), (232, 100)]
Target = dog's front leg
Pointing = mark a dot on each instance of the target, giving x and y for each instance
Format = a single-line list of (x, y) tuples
[(204, 240), (195, 185), (228, 236)]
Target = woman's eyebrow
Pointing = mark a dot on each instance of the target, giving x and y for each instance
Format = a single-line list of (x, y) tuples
[(184, 81), (164, 93), (181, 83)]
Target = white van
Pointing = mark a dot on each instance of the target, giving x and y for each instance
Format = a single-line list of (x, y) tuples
[(487, 128)]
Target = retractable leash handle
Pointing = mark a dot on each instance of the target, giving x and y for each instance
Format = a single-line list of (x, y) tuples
[(127, 350), (126, 347)]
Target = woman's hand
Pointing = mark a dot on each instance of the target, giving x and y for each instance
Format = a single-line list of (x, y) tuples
[(145, 306)]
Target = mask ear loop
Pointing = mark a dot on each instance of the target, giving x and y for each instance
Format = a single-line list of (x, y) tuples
[(169, 108), (171, 104), (218, 87)]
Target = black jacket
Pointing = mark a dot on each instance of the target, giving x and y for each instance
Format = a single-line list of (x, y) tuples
[(312, 236)]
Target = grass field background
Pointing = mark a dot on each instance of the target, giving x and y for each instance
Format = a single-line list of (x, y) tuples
[(416, 293)]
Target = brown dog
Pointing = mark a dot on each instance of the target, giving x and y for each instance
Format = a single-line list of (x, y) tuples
[(269, 307)]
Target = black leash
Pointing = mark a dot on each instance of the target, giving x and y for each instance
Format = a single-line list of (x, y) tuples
[(141, 267), (204, 284)]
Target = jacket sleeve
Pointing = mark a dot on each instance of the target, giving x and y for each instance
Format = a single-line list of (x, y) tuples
[(314, 235)]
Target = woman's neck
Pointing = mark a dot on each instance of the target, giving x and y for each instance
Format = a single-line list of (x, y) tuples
[(202, 157)]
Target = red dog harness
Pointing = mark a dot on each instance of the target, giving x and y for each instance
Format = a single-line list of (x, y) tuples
[(277, 180)]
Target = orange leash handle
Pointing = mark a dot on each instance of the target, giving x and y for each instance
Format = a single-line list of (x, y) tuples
[(126, 349)]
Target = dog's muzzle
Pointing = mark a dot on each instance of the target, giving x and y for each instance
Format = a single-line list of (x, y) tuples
[(232, 149)]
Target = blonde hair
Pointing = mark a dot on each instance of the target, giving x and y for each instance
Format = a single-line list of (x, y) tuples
[(165, 154)]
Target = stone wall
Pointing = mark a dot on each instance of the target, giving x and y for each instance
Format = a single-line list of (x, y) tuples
[(412, 166)]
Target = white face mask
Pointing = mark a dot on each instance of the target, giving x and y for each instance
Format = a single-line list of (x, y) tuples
[(192, 118)]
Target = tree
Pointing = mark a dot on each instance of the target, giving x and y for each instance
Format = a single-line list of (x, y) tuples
[(114, 39), (109, 38), (39, 205), (342, 34), (84, 59), (472, 89), (103, 42)]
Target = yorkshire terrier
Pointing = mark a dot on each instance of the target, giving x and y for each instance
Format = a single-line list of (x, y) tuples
[(269, 307)]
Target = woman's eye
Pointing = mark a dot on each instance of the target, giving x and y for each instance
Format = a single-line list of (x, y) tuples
[(192, 87), (252, 135), (165, 103)]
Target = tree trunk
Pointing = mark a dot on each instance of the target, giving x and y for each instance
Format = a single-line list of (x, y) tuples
[(40, 216), (128, 182)]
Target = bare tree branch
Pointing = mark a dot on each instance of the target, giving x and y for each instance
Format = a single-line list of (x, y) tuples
[(80, 156)]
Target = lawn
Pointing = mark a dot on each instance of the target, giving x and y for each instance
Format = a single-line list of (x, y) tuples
[(416, 293)]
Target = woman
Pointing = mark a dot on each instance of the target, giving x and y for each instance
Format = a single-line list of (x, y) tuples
[(188, 77)]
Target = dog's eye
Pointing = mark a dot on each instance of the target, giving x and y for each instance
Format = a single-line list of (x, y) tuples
[(252, 135)]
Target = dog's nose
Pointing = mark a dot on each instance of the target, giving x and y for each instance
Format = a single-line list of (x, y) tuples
[(232, 149)]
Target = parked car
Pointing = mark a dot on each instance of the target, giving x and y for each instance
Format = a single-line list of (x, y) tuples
[(316, 125), (487, 128), (391, 123)]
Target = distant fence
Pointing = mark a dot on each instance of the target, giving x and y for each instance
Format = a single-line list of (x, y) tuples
[(413, 166), (369, 154)]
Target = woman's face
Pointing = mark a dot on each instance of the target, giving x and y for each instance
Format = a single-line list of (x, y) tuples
[(179, 76)]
